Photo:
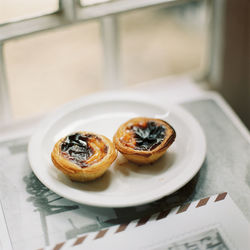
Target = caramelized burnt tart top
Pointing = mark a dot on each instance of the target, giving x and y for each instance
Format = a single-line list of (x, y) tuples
[(83, 149), (143, 140), (147, 135), (83, 156)]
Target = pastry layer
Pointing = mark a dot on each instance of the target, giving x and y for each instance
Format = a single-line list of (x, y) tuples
[(143, 140), (83, 156)]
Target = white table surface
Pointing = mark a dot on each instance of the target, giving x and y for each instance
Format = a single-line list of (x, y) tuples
[(226, 168)]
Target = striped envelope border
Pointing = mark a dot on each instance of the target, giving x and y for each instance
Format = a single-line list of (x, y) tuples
[(81, 239)]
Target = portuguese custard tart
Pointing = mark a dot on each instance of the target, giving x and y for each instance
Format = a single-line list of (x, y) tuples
[(83, 156), (143, 140)]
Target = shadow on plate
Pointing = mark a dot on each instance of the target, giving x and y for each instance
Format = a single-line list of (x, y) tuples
[(100, 184), (180, 197), (125, 167), (127, 214)]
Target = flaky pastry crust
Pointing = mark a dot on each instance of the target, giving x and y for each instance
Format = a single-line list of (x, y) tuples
[(125, 141), (103, 154)]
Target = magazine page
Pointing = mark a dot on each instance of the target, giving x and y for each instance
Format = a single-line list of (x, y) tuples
[(34, 217)]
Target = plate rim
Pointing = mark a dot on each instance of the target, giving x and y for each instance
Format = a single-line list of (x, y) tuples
[(45, 124)]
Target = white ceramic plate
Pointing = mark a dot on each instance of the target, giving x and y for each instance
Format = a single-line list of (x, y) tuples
[(124, 184)]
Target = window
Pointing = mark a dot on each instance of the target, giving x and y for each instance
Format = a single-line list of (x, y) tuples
[(50, 68), (86, 44), (158, 42), (12, 10)]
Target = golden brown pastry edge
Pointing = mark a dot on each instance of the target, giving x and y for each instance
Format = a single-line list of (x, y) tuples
[(144, 157), (89, 173)]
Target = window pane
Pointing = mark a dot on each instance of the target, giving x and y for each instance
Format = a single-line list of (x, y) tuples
[(11, 10), (158, 42), (92, 2), (51, 68)]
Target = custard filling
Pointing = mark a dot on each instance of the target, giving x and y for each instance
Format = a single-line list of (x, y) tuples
[(144, 136), (83, 150)]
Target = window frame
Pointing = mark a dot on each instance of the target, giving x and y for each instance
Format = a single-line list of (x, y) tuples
[(70, 12)]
